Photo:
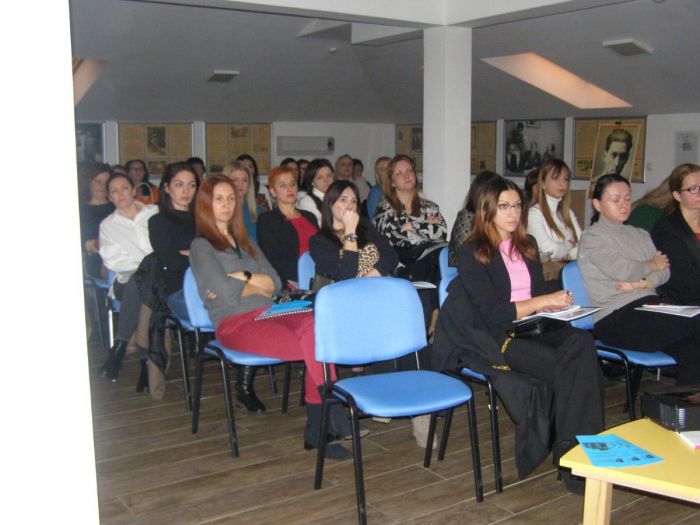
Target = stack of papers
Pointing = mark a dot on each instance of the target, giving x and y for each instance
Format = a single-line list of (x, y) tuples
[(671, 309), (567, 314)]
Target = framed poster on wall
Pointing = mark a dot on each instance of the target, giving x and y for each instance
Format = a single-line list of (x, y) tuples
[(529, 143), (156, 144)]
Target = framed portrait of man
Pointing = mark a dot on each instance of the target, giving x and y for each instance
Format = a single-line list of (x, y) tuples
[(615, 150)]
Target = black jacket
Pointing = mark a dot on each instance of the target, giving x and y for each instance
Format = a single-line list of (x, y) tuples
[(169, 234), (278, 240), (673, 236), (470, 330), (329, 263)]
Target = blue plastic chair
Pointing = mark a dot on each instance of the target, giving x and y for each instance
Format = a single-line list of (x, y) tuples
[(306, 270), (631, 359), (445, 269), (199, 320), (471, 375), (360, 321)]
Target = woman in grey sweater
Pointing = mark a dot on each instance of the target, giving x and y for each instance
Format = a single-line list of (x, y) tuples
[(621, 268), (236, 283)]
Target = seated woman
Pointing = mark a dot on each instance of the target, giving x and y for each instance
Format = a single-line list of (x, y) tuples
[(172, 230), (621, 267), (500, 281), (284, 232), (550, 219), (236, 283), (348, 246), (411, 223), (146, 193), (317, 178), (94, 208), (464, 223), (381, 165), (652, 207), (124, 242), (241, 177), (262, 195), (678, 236)]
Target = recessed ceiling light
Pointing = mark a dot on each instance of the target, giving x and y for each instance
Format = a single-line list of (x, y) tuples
[(628, 47), (223, 75), (555, 80)]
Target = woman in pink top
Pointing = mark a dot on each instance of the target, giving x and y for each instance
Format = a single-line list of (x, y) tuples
[(500, 281)]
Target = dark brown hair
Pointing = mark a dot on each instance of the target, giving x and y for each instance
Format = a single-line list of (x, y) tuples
[(392, 197), (675, 181)]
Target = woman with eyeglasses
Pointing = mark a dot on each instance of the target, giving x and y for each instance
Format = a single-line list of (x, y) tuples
[(146, 193), (621, 270), (678, 236), (499, 282)]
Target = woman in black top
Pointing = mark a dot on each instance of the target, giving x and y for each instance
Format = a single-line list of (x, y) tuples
[(172, 230), (348, 246), (94, 207)]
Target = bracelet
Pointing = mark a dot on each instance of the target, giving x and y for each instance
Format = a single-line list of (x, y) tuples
[(248, 276), (350, 237)]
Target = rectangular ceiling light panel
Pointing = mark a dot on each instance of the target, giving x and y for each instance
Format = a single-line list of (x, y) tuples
[(557, 81)]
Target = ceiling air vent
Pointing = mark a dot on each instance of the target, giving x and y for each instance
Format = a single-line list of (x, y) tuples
[(628, 47), (223, 75)]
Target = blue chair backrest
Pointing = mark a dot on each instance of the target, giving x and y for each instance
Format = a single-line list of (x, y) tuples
[(442, 289), (368, 319), (197, 312), (445, 269), (372, 201), (573, 281), (306, 269)]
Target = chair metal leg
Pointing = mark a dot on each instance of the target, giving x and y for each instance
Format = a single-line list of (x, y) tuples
[(495, 438), (636, 381), (273, 383), (359, 476), (302, 394), (445, 435), (228, 398), (476, 458), (197, 391), (185, 367), (629, 407), (321, 454), (431, 437), (285, 387), (98, 316)]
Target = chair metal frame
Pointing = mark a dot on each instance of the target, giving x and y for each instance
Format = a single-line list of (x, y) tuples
[(341, 348), (633, 361)]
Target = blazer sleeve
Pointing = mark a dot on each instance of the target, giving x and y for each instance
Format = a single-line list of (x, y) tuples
[(669, 238), (273, 244), (329, 262)]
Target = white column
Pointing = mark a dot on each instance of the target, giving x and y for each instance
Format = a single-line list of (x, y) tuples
[(111, 142), (199, 140), (447, 86)]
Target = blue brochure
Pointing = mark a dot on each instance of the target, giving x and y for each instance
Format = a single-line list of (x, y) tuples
[(609, 450)]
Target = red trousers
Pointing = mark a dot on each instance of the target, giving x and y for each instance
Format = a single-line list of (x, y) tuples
[(287, 337)]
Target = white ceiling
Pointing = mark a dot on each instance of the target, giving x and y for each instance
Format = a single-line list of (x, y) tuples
[(159, 55)]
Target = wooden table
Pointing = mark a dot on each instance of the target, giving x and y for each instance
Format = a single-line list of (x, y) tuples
[(677, 476)]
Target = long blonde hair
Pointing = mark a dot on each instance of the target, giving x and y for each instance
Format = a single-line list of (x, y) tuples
[(249, 197), (660, 197), (551, 168)]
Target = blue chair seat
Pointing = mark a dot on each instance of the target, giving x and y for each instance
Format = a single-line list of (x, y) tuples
[(399, 394), (468, 372), (240, 358), (647, 359)]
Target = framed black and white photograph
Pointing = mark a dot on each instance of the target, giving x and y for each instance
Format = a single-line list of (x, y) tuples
[(88, 142), (529, 143)]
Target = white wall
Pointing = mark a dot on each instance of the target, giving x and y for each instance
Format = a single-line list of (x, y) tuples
[(362, 141)]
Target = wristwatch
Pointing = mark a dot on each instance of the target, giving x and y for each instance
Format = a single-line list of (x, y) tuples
[(248, 276), (350, 237)]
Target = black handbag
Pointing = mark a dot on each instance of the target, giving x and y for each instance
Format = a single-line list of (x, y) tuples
[(536, 327)]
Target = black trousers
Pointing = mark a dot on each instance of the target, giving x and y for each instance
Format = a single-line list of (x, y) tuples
[(678, 336), (566, 361), (129, 308)]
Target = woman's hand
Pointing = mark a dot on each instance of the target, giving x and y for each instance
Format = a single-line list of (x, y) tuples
[(372, 273), (91, 246), (556, 301), (626, 286), (186, 253), (237, 275), (350, 221), (433, 219), (659, 262)]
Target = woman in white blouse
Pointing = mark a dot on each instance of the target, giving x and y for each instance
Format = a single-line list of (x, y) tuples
[(317, 178), (124, 242), (550, 219)]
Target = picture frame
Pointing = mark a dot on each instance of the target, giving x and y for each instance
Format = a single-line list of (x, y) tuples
[(530, 143)]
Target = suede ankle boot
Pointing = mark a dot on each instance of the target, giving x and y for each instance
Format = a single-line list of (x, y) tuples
[(245, 376), (113, 365)]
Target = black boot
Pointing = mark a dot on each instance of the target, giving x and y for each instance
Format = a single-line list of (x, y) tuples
[(340, 424), (113, 364), (245, 376), (312, 434), (142, 385)]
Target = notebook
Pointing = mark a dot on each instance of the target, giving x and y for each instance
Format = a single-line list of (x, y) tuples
[(289, 308)]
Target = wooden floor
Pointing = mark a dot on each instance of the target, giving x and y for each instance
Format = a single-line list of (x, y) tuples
[(152, 470)]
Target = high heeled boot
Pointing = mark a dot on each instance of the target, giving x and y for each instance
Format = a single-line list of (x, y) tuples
[(142, 385), (245, 394), (111, 367)]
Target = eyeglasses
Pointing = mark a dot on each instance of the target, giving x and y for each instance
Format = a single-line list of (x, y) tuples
[(503, 207), (692, 190)]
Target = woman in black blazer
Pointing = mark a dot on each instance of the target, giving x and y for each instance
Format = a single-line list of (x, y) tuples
[(501, 276), (678, 236), (284, 232)]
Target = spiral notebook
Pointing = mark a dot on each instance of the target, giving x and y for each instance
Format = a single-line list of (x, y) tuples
[(289, 308)]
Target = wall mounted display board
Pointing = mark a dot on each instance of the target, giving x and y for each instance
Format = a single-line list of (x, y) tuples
[(409, 141), (89, 142), (529, 143), (156, 144), (225, 142), (609, 146), (483, 145)]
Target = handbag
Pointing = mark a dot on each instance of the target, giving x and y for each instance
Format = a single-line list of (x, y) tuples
[(536, 327)]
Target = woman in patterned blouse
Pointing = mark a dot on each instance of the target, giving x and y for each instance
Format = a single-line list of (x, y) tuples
[(411, 223)]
